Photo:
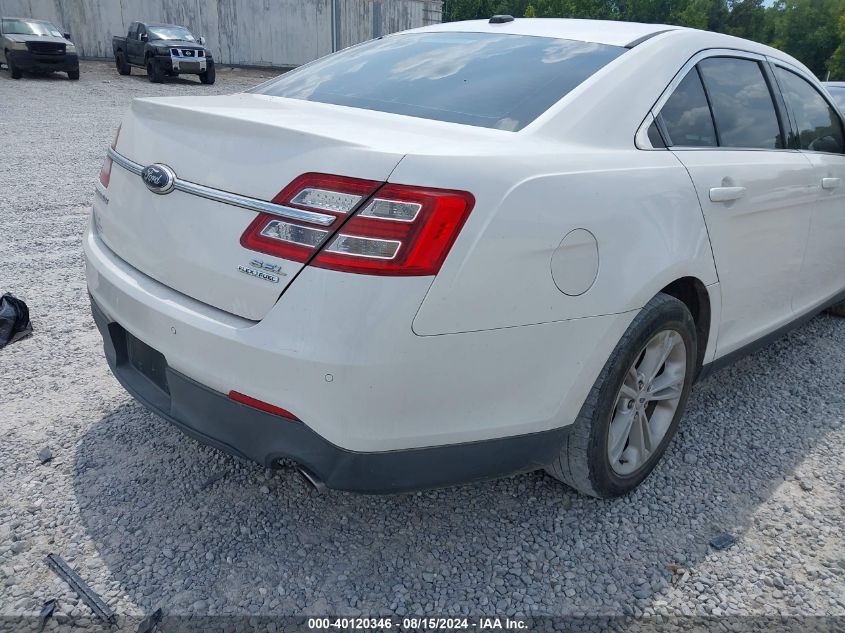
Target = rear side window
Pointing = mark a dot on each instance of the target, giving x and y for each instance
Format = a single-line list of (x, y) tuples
[(490, 80), (686, 117), (742, 103), (819, 126)]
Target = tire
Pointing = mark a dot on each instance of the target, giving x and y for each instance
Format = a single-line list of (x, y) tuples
[(154, 72), (837, 310), (209, 75), (14, 71), (73, 75), (584, 462), (123, 68)]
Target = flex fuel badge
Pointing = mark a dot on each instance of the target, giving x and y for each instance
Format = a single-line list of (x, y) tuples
[(263, 270)]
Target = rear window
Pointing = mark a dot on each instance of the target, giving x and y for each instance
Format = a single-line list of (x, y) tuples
[(482, 79), (742, 103), (686, 115)]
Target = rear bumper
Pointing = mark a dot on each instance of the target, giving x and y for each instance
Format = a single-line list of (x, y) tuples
[(33, 62), (338, 352), (214, 419)]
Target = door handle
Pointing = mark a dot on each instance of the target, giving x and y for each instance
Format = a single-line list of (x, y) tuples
[(831, 183), (726, 194)]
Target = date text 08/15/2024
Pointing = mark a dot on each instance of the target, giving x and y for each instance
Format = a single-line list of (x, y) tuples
[(416, 623)]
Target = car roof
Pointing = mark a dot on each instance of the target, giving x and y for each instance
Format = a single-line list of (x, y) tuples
[(6, 17), (613, 33), (155, 24), (610, 32)]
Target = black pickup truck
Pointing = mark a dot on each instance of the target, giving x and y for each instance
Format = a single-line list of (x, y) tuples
[(163, 50)]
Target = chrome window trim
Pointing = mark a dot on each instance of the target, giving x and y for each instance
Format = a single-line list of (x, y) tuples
[(642, 131), (815, 84), (234, 199), (641, 139)]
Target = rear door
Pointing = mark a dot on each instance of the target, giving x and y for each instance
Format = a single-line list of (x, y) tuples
[(818, 133), (726, 126)]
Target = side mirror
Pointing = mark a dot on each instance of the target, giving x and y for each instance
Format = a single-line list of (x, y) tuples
[(827, 144), (144, 37), (201, 40), (66, 36)]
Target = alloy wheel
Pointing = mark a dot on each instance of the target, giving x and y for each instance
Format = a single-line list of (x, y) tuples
[(647, 401)]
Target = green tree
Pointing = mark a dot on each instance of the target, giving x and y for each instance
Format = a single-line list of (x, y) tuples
[(592, 9), (836, 64), (454, 10), (808, 30), (747, 19), (813, 31), (709, 15)]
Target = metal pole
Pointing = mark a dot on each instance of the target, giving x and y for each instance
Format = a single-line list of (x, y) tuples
[(334, 26)]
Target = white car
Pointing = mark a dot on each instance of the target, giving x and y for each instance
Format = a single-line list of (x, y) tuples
[(467, 250)]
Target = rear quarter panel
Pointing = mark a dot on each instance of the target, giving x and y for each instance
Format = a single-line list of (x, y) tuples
[(640, 206)]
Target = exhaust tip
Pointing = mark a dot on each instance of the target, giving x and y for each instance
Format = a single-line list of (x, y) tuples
[(311, 480)]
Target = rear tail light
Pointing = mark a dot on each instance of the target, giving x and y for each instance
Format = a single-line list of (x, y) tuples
[(105, 170), (396, 230), (261, 405), (298, 241), (402, 230)]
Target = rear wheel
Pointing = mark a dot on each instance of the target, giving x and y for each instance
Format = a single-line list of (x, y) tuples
[(154, 71), (209, 75), (123, 68), (634, 407), (73, 74)]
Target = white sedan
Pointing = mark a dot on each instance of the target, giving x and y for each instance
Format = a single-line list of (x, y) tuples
[(467, 250)]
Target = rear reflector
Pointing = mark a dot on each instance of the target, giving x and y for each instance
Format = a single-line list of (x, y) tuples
[(262, 406), (380, 230), (298, 241), (105, 170)]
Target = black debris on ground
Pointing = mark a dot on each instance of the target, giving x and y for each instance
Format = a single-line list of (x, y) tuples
[(88, 595), (149, 623), (14, 320), (722, 541), (46, 613)]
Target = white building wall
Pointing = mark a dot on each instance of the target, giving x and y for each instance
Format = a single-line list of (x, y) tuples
[(240, 32)]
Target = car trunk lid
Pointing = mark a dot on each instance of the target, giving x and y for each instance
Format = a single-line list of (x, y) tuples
[(239, 144)]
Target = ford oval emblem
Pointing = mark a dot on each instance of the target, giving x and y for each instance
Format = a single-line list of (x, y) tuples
[(159, 178)]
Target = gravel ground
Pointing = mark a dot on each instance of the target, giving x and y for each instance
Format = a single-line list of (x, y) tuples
[(759, 455)]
